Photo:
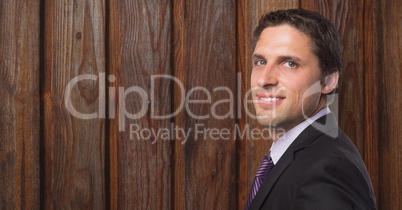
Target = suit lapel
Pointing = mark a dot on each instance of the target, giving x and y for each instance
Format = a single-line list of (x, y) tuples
[(323, 125), (269, 182)]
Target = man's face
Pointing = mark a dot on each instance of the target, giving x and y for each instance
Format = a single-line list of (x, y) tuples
[(285, 78)]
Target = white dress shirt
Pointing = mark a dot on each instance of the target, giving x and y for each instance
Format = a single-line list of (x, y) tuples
[(282, 144)]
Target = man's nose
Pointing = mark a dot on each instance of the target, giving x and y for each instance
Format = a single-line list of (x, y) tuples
[(268, 76)]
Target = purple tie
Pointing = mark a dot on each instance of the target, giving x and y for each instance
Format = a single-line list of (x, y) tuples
[(260, 176)]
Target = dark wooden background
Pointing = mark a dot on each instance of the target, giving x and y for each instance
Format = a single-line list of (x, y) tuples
[(52, 160)]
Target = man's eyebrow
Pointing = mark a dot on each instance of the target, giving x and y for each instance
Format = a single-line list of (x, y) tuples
[(281, 58), (257, 56), (289, 57)]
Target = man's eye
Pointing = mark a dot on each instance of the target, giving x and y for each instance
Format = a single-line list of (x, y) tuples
[(260, 62), (291, 64)]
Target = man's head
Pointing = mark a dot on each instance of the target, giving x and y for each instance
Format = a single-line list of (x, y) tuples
[(325, 38), (293, 68)]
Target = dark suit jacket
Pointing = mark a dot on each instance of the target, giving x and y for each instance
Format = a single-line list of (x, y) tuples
[(320, 170)]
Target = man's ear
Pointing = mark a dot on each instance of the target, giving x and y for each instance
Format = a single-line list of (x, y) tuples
[(331, 81)]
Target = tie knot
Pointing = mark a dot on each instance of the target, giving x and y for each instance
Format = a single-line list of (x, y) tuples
[(260, 176), (265, 167)]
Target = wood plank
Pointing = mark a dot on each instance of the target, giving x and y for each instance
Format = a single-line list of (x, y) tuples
[(74, 147), (140, 161), (205, 57), (347, 15), (19, 108), (390, 105), (371, 66), (250, 151)]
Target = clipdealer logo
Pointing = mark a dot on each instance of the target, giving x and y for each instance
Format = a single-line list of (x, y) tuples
[(147, 101), (186, 101), (201, 132)]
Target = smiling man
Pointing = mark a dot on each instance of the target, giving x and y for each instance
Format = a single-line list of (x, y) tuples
[(313, 165)]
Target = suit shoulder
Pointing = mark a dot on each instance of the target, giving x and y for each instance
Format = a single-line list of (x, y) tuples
[(329, 152), (336, 180), (335, 144)]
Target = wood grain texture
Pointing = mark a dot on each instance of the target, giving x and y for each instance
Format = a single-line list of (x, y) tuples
[(250, 151), (371, 66), (205, 56), (74, 147), (201, 43), (140, 47), (19, 109), (390, 102)]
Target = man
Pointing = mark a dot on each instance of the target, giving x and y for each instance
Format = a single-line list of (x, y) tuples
[(313, 164)]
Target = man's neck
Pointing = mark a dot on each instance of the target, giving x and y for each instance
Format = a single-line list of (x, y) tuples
[(279, 132)]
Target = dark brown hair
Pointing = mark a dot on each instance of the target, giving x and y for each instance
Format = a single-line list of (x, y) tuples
[(323, 34)]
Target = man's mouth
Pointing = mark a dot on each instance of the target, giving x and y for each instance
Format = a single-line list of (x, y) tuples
[(271, 99)]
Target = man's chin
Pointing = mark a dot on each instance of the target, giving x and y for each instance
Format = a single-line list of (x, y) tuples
[(267, 122)]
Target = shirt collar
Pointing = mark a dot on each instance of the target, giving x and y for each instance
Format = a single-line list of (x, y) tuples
[(282, 144)]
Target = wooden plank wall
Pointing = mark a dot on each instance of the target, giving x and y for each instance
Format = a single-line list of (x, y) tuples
[(74, 157), (390, 105), (20, 104), (205, 56), (141, 164), (83, 82)]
